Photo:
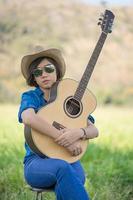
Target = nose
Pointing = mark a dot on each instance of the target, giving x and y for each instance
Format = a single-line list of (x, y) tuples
[(44, 74)]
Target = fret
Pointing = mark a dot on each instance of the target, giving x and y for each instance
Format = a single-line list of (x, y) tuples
[(90, 67), (77, 96)]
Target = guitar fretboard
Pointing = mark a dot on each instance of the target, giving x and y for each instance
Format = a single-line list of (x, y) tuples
[(90, 67)]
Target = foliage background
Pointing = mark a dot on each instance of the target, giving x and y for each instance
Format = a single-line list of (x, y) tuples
[(72, 27)]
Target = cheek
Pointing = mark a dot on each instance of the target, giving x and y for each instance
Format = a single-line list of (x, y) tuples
[(37, 80), (54, 77)]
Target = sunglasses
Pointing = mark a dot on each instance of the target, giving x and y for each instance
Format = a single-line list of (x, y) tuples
[(48, 69)]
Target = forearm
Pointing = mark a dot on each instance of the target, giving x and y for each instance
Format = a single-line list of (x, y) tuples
[(43, 127)]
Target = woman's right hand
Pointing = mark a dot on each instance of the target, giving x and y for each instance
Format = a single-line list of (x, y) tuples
[(75, 148)]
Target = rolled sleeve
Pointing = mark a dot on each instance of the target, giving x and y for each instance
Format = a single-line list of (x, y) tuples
[(27, 101), (91, 118)]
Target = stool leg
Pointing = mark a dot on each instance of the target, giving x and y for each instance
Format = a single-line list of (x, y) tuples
[(37, 196), (41, 195)]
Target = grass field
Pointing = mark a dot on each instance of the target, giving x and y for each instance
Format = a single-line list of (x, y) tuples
[(108, 161)]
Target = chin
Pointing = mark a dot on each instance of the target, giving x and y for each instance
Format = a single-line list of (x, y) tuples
[(46, 86)]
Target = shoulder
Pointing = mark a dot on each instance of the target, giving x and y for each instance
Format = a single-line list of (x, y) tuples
[(28, 100), (29, 93)]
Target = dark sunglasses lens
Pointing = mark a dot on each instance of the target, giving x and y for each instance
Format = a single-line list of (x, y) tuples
[(37, 72), (49, 68)]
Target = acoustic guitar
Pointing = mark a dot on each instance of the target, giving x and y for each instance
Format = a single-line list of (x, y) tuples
[(69, 106)]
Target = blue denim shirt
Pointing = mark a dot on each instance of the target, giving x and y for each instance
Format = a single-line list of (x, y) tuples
[(34, 99)]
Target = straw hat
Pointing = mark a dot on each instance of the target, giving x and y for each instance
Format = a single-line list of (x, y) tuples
[(41, 52)]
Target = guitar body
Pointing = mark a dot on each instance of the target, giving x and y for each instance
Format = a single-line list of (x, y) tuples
[(55, 112)]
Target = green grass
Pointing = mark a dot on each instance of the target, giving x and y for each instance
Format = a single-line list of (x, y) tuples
[(108, 161)]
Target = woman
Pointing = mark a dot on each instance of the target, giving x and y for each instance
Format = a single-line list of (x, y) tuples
[(41, 70)]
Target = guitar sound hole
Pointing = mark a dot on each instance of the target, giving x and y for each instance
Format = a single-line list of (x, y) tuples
[(73, 107)]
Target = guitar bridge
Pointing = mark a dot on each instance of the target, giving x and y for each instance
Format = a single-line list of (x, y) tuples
[(58, 126)]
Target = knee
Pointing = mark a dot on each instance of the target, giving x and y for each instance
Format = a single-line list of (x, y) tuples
[(63, 167)]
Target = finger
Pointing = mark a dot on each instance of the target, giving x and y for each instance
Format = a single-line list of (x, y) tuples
[(77, 151), (60, 143), (80, 150), (66, 144), (58, 138), (63, 143)]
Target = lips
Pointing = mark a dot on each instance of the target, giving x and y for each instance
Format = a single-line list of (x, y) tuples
[(45, 81)]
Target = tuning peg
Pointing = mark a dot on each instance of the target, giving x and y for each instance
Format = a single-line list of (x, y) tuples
[(99, 23), (110, 30), (100, 19)]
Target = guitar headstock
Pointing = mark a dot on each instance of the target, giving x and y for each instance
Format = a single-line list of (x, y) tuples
[(106, 21)]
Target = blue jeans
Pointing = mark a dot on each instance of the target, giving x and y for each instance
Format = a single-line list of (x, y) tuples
[(67, 179)]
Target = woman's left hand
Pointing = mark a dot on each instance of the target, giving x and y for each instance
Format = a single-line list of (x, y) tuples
[(69, 136)]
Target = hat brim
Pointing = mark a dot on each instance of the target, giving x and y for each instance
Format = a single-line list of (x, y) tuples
[(51, 53)]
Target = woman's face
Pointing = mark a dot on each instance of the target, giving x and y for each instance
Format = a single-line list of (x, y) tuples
[(46, 80)]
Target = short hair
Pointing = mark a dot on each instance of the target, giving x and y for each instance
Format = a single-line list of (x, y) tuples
[(31, 79)]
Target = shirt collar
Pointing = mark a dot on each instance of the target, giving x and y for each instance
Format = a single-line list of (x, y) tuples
[(39, 91)]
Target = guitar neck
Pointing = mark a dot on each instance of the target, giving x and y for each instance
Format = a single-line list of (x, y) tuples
[(90, 67)]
